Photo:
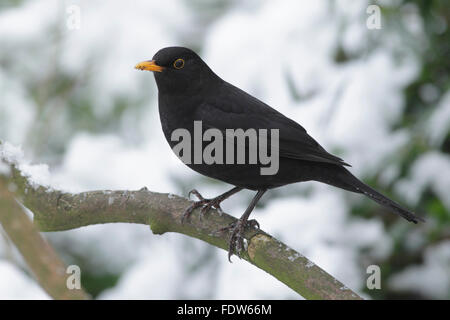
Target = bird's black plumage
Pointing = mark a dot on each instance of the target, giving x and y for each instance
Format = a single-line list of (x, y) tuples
[(195, 93)]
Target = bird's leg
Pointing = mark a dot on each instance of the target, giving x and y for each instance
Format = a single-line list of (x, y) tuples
[(207, 204), (237, 228)]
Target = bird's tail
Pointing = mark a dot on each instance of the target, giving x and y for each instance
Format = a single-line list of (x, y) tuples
[(349, 182)]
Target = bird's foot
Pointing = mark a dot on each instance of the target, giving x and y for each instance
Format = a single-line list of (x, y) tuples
[(236, 241), (205, 204)]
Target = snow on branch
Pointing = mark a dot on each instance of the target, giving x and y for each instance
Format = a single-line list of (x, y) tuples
[(56, 210), (47, 267)]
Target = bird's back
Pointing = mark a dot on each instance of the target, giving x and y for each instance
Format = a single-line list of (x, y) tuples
[(228, 107)]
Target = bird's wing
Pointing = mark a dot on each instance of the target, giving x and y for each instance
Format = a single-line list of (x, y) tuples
[(237, 109)]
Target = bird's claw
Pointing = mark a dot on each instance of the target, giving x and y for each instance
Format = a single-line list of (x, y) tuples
[(236, 241), (204, 203), (195, 193)]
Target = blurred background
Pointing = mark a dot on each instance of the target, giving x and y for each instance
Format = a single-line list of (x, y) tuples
[(377, 97)]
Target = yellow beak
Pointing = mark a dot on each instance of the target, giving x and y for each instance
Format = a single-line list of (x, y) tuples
[(149, 66)]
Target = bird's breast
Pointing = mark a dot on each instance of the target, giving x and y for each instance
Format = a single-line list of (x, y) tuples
[(176, 113)]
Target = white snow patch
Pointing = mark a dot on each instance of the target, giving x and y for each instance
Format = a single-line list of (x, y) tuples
[(439, 123), (430, 170), (10, 153), (431, 279), (5, 170), (15, 284), (36, 174)]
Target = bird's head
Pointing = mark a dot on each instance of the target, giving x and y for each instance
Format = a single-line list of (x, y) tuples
[(178, 69)]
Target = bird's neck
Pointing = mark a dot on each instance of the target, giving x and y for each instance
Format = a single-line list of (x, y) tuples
[(178, 106)]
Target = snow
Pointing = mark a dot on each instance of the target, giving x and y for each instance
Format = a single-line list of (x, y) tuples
[(11, 153), (15, 284), (310, 264), (96, 162), (16, 109), (5, 170), (317, 226), (147, 29), (439, 122), (363, 96), (38, 16), (255, 45), (432, 278), (429, 170), (37, 174)]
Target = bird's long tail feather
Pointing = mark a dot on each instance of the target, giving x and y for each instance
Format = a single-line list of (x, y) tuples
[(350, 182)]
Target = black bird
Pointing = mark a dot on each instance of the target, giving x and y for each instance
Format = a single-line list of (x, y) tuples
[(188, 91)]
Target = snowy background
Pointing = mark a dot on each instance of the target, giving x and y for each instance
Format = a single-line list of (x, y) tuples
[(379, 98)]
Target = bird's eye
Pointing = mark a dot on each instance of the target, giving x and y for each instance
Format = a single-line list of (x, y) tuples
[(178, 64)]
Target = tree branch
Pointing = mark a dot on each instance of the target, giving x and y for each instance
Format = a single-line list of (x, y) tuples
[(55, 210), (45, 264)]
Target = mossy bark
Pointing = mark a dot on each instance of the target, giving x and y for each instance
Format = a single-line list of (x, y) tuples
[(56, 211)]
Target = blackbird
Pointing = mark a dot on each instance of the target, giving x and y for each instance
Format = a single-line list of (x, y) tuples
[(189, 91)]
